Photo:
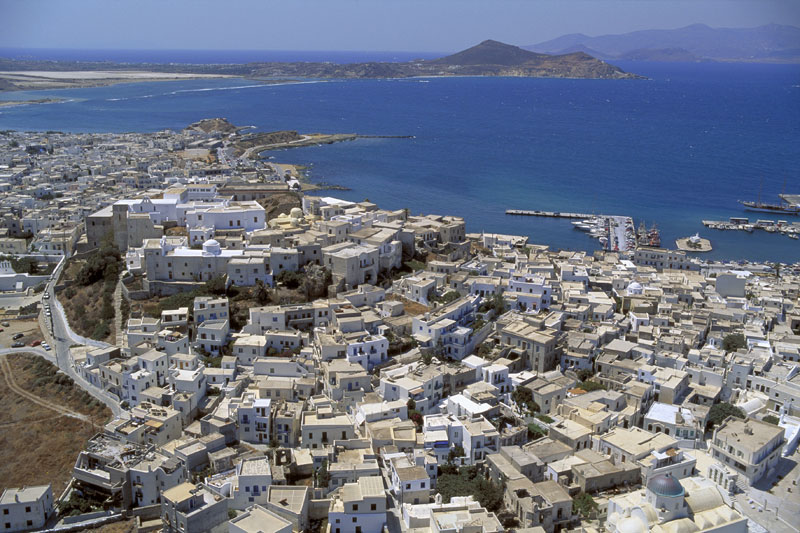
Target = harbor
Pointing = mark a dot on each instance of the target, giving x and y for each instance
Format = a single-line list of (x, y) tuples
[(791, 230), (614, 232)]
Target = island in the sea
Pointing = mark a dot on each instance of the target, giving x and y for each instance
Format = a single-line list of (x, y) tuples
[(489, 58)]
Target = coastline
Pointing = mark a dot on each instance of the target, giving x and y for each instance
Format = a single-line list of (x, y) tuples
[(53, 80), (13, 103)]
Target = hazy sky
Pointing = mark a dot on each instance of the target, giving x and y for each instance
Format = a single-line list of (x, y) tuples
[(395, 25)]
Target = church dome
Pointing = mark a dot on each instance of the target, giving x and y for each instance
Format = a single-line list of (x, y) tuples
[(663, 485), (630, 525), (212, 246), (635, 288)]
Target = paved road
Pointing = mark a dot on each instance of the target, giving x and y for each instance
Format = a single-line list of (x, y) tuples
[(61, 337)]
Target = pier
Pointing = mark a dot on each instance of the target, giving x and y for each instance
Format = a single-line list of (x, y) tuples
[(550, 214), (614, 232), (791, 230)]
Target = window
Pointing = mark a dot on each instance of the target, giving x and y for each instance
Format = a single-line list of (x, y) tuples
[(373, 507), (355, 507), (27, 509)]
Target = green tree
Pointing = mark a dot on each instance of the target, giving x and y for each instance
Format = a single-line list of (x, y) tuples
[(733, 342), (454, 453), (584, 505), (523, 397), (261, 293), (290, 280), (721, 411), (217, 286), (323, 476), (464, 482), (496, 303)]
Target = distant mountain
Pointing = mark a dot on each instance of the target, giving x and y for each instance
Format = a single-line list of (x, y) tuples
[(490, 53), (660, 54), (493, 58), (772, 42), (489, 58)]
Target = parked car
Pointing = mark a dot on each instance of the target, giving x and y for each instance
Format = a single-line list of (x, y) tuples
[(18, 344), (17, 336), (46, 346), (4, 324), (36, 343), (46, 296)]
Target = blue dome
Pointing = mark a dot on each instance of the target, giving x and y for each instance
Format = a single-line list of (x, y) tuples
[(664, 485)]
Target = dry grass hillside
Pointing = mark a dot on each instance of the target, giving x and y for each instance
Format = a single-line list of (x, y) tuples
[(39, 445)]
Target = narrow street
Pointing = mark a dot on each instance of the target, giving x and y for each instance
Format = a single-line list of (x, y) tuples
[(61, 337)]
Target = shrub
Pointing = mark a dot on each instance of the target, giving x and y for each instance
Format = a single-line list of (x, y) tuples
[(101, 330), (771, 419), (446, 298), (536, 431), (291, 280), (590, 386)]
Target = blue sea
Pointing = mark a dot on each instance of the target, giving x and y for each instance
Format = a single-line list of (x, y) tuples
[(678, 148)]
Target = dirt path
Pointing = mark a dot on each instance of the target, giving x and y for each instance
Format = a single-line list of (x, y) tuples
[(29, 421), (8, 376)]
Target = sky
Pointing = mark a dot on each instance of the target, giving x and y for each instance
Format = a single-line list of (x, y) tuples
[(364, 25)]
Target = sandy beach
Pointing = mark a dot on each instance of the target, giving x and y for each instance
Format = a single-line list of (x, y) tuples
[(41, 79)]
